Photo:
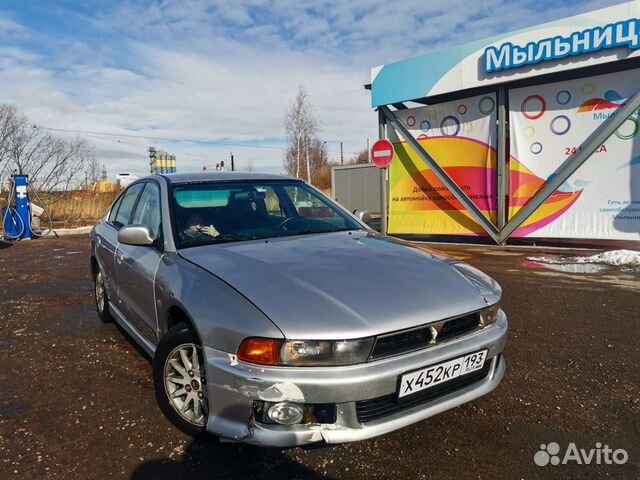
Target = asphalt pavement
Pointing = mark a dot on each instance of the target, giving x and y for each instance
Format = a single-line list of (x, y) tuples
[(77, 401)]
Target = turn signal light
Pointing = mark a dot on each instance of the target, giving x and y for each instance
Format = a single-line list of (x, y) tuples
[(263, 351)]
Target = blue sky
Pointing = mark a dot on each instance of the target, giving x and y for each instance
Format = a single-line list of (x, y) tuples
[(217, 73)]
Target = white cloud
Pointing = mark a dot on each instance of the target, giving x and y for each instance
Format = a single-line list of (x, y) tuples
[(221, 71)]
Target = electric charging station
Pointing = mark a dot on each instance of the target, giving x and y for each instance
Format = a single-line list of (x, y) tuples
[(16, 216)]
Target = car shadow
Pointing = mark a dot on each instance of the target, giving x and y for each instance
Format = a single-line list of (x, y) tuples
[(134, 344), (210, 459), (5, 244)]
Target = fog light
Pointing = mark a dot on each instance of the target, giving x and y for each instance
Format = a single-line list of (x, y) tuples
[(285, 413)]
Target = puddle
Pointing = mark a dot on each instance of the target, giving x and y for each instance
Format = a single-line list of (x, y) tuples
[(631, 271), (563, 264)]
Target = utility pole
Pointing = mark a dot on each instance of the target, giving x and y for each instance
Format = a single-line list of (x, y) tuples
[(232, 165), (341, 155), (308, 164), (298, 157), (368, 150)]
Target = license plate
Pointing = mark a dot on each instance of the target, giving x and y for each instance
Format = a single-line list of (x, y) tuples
[(418, 380)]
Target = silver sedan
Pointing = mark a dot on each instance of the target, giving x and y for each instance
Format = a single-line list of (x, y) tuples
[(275, 317)]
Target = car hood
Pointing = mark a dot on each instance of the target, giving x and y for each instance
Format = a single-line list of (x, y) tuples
[(341, 285)]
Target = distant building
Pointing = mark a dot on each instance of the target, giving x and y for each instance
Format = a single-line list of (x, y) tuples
[(161, 161), (125, 179), (104, 186)]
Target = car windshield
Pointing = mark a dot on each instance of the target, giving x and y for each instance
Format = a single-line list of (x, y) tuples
[(207, 213)]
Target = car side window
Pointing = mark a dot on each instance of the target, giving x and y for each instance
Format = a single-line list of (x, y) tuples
[(114, 209), (126, 205), (148, 208)]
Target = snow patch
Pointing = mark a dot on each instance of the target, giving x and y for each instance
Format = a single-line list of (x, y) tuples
[(616, 258)]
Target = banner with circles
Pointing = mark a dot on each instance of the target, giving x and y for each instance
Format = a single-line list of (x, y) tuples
[(548, 123), (460, 136)]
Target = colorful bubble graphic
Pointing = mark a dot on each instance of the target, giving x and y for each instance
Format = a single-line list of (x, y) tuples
[(533, 107), (560, 125), (588, 88), (486, 105), (629, 129), (536, 148), (411, 121), (462, 109), (450, 126), (563, 97), (425, 125), (432, 114), (467, 127), (529, 131)]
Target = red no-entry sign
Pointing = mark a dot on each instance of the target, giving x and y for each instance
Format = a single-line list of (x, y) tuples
[(382, 153)]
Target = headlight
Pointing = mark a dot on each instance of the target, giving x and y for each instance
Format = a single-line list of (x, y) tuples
[(307, 353), (489, 315), (316, 353)]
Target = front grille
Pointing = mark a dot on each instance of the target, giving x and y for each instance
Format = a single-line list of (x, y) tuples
[(379, 407), (418, 338)]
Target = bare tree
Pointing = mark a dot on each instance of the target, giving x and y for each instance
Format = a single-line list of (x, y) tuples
[(92, 170), (360, 157), (306, 155), (52, 163), (301, 127)]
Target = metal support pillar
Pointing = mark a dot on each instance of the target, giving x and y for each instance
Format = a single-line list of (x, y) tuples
[(568, 168), (502, 185), (471, 207), (384, 178)]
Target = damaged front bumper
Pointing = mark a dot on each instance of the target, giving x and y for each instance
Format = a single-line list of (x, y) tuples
[(234, 386)]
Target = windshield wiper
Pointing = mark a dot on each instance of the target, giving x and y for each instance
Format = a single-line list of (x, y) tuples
[(227, 237), (309, 231)]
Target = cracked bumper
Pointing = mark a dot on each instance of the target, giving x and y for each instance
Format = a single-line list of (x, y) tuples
[(234, 386)]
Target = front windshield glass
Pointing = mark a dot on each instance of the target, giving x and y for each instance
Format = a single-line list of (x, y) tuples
[(205, 213)]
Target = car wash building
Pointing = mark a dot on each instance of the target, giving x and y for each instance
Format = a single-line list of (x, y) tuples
[(530, 134)]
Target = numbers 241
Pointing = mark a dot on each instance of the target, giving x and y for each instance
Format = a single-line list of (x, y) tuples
[(571, 150)]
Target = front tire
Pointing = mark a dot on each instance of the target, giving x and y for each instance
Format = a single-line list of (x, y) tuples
[(179, 380), (102, 300)]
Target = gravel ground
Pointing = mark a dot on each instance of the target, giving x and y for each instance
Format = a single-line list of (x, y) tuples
[(77, 397)]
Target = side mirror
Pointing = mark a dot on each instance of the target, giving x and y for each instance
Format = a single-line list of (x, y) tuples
[(139, 235), (363, 215)]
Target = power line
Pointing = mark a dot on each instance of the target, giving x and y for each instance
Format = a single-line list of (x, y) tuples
[(166, 139), (179, 140), (194, 156)]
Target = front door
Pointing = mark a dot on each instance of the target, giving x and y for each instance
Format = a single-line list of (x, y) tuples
[(137, 266)]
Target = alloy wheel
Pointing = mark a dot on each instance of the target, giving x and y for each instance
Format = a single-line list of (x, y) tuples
[(185, 383), (100, 292)]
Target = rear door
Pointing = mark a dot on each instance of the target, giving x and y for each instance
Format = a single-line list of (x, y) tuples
[(137, 265)]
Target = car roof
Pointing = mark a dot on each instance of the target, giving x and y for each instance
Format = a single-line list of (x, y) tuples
[(174, 178)]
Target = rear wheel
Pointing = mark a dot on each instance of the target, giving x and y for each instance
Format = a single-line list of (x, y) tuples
[(102, 300), (179, 380)]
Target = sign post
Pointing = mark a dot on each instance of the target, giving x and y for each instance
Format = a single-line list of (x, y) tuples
[(382, 154)]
